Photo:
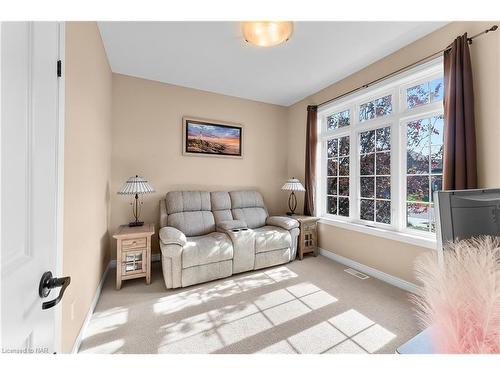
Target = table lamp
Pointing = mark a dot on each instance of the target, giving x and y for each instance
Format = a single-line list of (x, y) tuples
[(292, 185), (136, 186)]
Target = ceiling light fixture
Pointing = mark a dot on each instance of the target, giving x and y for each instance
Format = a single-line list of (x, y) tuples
[(267, 33)]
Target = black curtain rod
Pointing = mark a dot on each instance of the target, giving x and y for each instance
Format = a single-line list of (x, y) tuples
[(407, 67)]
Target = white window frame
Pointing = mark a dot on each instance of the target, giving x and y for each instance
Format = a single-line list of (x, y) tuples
[(404, 120), (395, 86), (358, 186)]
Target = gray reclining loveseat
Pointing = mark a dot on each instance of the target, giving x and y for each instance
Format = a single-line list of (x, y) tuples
[(210, 235)]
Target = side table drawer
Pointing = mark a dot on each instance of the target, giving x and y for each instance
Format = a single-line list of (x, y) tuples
[(309, 227), (134, 243)]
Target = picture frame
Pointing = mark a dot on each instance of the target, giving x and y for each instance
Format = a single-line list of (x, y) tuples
[(213, 138)]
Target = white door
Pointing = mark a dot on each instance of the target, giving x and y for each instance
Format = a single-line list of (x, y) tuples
[(30, 183)]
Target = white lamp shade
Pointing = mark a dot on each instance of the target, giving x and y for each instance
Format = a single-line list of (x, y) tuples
[(136, 185), (293, 184)]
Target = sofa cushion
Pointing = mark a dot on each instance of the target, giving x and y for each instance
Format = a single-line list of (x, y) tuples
[(270, 238), (193, 223), (183, 201), (212, 248), (254, 217), (246, 198), (221, 206), (190, 212), (248, 206)]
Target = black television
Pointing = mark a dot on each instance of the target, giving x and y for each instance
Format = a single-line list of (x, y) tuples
[(462, 214)]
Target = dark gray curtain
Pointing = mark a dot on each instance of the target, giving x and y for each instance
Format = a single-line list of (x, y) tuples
[(310, 167), (459, 163)]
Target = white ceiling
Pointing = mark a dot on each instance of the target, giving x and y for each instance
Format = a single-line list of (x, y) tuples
[(213, 56)]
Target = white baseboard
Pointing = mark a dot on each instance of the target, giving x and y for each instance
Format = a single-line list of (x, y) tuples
[(112, 264), (389, 279), (79, 338)]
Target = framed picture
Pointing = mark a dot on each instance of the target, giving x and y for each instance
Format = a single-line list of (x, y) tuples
[(212, 138)]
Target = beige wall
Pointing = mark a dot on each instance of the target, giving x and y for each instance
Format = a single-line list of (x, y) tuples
[(87, 170), (147, 140), (395, 257)]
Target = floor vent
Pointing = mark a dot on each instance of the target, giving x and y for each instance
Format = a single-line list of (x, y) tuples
[(358, 274)]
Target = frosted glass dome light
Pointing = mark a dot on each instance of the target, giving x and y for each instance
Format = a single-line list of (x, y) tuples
[(267, 33)]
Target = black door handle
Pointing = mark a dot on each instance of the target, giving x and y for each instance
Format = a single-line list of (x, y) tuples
[(47, 282)]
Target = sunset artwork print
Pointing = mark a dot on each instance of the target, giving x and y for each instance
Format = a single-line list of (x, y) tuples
[(205, 138)]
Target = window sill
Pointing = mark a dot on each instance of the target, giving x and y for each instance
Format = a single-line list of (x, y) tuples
[(429, 243)]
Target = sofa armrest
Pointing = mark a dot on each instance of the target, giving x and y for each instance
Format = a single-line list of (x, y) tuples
[(284, 222), (228, 225), (172, 236), (171, 256), (163, 213)]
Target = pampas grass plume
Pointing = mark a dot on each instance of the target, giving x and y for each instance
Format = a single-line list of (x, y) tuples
[(460, 299)]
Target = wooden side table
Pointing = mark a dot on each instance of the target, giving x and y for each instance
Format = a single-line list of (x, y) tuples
[(133, 253), (308, 237)]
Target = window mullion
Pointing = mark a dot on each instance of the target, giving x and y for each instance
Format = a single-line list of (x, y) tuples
[(353, 170), (396, 163), (401, 175)]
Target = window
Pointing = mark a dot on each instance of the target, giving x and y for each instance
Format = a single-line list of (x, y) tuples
[(375, 108), (338, 120), (382, 153), (425, 93), (338, 176), (424, 170), (375, 175)]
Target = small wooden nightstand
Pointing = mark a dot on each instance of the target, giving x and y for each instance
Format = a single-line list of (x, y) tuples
[(308, 237), (133, 253)]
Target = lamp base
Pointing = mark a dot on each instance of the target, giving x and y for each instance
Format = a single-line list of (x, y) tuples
[(292, 204), (136, 224)]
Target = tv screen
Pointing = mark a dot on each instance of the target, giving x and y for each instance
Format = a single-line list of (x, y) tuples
[(463, 214)]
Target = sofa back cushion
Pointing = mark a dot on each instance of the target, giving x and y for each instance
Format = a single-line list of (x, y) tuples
[(221, 206), (249, 207), (190, 212)]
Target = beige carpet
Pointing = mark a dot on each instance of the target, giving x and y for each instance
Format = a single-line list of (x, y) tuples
[(308, 306)]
